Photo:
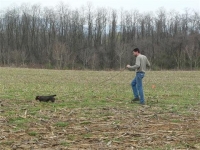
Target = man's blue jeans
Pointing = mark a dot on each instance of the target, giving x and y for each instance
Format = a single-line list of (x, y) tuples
[(136, 85)]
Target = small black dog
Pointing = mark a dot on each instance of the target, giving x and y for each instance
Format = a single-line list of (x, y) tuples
[(45, 98)]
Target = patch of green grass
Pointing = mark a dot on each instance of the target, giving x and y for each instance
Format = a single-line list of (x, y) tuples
[(18, 121), (61, 124), (32, 133), (85, 123), (33, 113), (64, 143), (176, 121), (82, 89), (87, 135)]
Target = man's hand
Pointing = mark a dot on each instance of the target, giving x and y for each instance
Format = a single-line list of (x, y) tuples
[(128, 66)]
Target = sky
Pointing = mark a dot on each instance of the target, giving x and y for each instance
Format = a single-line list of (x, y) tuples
[(140, 5)]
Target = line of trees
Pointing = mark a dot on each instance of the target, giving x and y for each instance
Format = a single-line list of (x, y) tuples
[(88, 38)]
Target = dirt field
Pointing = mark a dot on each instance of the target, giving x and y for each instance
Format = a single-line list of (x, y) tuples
[(105, 128)]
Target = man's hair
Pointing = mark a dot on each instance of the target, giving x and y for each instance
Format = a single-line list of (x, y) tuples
[(136, 50)]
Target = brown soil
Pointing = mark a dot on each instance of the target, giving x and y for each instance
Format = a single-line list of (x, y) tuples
[(104, 128)]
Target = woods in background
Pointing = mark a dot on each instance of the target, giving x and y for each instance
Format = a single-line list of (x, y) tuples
[(98, 39)]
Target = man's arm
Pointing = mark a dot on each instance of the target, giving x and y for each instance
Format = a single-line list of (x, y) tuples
[(148, 63), (136, 66)]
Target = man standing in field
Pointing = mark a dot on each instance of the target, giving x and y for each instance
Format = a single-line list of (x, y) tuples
[(140, 67)]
